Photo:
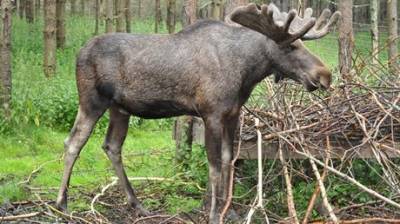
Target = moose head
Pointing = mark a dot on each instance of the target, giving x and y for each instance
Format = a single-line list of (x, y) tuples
[(285, 33)]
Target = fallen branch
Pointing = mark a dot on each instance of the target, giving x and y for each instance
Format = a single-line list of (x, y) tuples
[(68, 216), (158, 217), (364, 220), (276, 134), (370, 220), (290, 200), (317, 190), (162, 179), (259, 198), (35, 171), (323, 193), (19, 217), (322, 187), (97, 196), (314, 196)]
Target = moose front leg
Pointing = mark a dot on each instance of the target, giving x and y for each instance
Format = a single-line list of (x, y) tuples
[(219, 134), (213, 135), (228, 137)]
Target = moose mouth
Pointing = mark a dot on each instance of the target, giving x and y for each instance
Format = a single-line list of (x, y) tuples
[(309, 84), (278, 77)]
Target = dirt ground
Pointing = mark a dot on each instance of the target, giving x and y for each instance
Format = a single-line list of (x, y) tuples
[(111, 208)]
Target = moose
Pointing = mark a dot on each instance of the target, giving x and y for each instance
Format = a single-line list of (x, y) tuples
[(208, 69)]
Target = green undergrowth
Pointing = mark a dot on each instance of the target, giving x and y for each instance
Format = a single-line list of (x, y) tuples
[(51, 102), (147, 152)]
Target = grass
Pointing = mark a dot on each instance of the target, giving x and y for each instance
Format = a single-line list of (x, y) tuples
[(44, 110), (147, 153)]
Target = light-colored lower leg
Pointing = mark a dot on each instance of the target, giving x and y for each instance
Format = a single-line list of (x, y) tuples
[(215, 179), (77, 139)]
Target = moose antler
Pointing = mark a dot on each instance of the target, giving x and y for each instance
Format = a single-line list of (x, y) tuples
[(283, 27)]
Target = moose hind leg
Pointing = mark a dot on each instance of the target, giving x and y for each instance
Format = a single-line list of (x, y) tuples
[(116, 134), (84, 124)]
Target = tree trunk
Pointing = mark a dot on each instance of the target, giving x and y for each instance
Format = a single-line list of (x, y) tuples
[(128, 15), (183, 140), (37, 8), (83, 7), (97, 17), (109, 16), (120, 26), (73, 7), (383, 12), (374, 31), (50, 40), (189, 12), (60, 14), (346, 38), (216, 9), (5, 58), (140, 9), (392, 39), (115, 10), (183, 132), (171, 15), (29, 12), (232, 4), (21, 8), (303, 6), (294, 4), (285, 5), (158, 16)]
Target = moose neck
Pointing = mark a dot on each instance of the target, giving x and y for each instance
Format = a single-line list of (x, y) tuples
[(257, 60)]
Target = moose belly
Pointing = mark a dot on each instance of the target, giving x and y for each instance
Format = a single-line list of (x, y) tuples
[(156, 108)]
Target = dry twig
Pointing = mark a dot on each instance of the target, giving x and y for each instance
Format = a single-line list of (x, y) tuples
[(19, 217)]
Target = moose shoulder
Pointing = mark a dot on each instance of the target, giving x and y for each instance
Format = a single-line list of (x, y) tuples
[(208, 70)]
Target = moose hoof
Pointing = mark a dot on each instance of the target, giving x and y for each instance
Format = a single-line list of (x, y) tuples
[(142, 211), (61, 203), (62, 206), (214, 219), (232, 216)]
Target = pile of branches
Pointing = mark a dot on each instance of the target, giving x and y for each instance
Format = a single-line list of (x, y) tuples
[(355, 115)]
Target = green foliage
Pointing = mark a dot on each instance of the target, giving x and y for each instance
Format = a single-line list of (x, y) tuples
[(11, 192), (53, 102)]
